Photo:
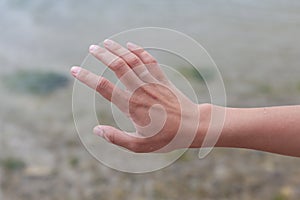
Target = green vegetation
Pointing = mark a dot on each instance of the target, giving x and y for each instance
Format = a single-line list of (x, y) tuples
[(298, 86), (74, 161), (185, 157), (35, 82), (191, 72), (12, 164), (264, 88), (280, 197)]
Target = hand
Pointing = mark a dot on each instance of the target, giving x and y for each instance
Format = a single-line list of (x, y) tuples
[(164, 118)]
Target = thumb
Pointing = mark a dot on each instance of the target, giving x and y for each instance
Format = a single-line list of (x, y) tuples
[(120, 138)]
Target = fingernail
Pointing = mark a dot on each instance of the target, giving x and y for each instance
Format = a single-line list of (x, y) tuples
[(132, 46), (75, 70), (93, 48), (99, 131), (108, 42)]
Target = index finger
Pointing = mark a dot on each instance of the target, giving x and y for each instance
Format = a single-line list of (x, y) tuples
[(103, 86)]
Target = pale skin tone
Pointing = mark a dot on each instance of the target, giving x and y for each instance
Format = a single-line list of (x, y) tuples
[(159, 111)]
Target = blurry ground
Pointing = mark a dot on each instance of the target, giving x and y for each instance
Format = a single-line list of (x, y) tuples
[(254, 43)]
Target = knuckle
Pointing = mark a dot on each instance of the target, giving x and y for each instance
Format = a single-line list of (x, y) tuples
[(133, 60), (111, 137), (116, 47), (137, 146), (117, 64), (148, 59), (135, 100), (139, 50), (153, 62), (83, 75), (103, 83)]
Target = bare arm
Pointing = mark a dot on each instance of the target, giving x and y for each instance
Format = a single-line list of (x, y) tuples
[(271, 129), (162, 115)]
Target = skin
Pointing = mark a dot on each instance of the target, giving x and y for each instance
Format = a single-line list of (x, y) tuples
[(165, 119)]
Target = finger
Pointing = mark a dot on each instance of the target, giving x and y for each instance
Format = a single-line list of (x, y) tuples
[(118, 65), (121, 138), (130, 58), (149, 61), (130, 142), (107, 89)]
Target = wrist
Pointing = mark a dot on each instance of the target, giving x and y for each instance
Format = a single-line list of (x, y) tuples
[(204, 121), (218, 125)]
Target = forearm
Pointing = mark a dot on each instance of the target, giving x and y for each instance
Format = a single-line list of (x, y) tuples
[(271, 129)]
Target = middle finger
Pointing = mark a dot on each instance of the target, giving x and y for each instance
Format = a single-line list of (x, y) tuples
[(118, 65), (131, 59)]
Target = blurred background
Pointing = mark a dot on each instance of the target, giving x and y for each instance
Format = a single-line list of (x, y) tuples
[(254, 43)]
